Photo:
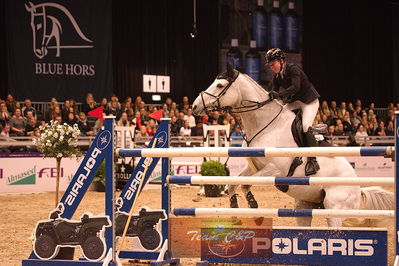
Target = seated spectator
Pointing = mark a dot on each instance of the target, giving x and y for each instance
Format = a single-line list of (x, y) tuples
[(323, 108), (185, 130), (123, 122), (215, 116), (165, 110), (380, 130), (348, 127), (174, 127), (18, 123), (31, 126), (190, 118), (390, 131), (58, 118), (89, 104), (142, 132), (137, 102), (56, 112), (236, 136), (137, 120), (358, 104), (151, 127), (334, 109), (350, 108), (65, 110), (355, 119), (4, 114), (342, 109), (339, 130), (5, 136), (370, 129), (104, 104), (173, 107), (180, 120), (114, 109), (11, 103), (84, 126), (360, 135), (185, 102), (390, 117), (71, 119), (28, 108), (127, 104), (116, 104), (143, 116)]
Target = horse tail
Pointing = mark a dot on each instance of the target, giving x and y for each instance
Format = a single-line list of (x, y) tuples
[(377, 198), (373, 198)]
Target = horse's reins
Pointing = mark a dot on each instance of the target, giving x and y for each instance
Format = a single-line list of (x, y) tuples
[(236, 110)]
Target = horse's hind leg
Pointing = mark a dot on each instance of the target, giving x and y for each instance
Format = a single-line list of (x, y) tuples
[(252, 203), (302, 204), (233, 196)]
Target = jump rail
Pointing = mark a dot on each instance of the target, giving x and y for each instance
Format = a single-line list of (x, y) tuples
[(257, 152), (270, 180), (272, 213)]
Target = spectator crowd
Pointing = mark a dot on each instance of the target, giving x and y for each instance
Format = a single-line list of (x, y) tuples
[(22, 119)]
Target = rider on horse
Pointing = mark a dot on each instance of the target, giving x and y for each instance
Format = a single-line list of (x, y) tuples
[(292, 85)]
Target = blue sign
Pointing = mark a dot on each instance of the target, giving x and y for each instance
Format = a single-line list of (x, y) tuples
[(314, 247)]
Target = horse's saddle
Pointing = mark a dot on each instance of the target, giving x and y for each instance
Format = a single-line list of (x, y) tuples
[(299, 137), (297, 131)]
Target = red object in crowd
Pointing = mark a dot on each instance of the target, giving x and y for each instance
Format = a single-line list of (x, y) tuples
[(98, 112), (204, 119), (156, 115)]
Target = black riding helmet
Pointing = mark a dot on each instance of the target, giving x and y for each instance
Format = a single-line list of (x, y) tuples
[(274, 54)]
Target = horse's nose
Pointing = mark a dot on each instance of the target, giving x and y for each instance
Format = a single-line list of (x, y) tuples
[(194, 107)]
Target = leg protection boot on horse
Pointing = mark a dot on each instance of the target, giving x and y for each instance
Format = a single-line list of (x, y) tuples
[(251, 200), (233, 201), (312, 166)]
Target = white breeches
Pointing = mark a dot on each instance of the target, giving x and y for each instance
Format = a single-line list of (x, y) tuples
[(309, 112)]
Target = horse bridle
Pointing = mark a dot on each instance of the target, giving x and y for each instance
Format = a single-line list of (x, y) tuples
[(236, 110)]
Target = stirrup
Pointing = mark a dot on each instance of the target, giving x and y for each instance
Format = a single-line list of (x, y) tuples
[(311, 167)]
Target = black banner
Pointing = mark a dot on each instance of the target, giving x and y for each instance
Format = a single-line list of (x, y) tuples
[(59, 49)]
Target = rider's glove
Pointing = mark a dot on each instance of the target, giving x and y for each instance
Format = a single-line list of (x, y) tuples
[(274, 94)]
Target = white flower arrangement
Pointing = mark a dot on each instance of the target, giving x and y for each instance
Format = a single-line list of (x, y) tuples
[(58, 140)]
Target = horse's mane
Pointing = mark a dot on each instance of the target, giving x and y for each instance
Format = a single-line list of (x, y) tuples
[(256, 84)]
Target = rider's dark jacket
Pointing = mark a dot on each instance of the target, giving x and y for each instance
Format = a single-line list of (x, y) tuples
[(292, 84)]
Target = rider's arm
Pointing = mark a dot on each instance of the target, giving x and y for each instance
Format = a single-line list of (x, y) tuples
[(295, 76)]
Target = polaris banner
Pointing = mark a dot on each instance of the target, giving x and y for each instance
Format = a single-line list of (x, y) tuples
[(309, 247), (130, 191), (59, 48)]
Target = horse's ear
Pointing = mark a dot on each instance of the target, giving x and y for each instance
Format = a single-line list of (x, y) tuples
[(29, 8), (230, 69)]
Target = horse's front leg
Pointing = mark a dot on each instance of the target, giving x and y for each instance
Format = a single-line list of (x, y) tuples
[(232, 188)]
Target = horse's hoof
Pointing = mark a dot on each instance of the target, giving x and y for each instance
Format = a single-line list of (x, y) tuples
[(233, 201), (251, 200), (259, 220)]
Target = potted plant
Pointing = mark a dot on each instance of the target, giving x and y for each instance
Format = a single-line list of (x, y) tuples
[(213, 168), (99, 178)]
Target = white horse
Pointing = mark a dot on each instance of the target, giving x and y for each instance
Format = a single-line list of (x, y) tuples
[(267, 123)]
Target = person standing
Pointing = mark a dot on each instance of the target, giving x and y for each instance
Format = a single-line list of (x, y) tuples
[(292, 85)]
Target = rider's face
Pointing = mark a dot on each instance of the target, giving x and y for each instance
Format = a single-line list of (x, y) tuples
[(275, 66)]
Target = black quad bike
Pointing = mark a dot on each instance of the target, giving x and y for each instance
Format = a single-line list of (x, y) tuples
[(141, 226), (61, 232)]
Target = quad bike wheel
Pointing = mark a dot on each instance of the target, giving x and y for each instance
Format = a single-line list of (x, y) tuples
[(45, 247), (93, 248), (150, 239)]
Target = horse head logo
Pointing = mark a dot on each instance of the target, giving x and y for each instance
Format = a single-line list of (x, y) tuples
[(46, 28)]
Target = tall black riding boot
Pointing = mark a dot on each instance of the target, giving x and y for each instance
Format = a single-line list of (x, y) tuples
[(312, 166)]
